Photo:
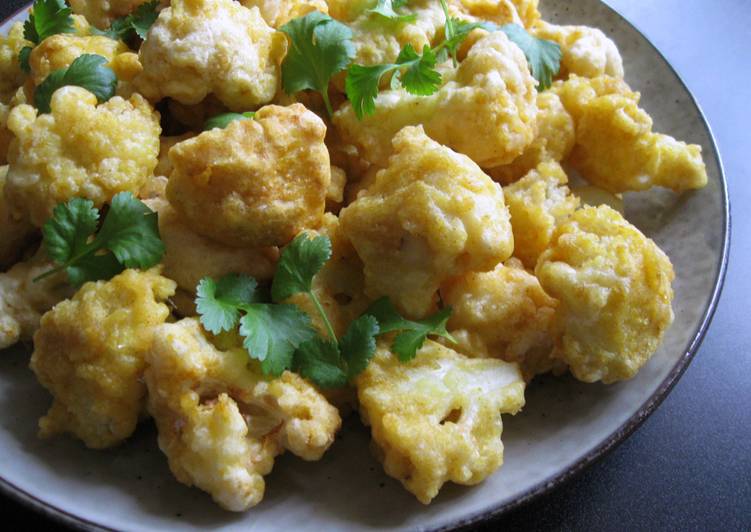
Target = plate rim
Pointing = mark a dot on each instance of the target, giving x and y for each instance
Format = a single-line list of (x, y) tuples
[(563, 476)]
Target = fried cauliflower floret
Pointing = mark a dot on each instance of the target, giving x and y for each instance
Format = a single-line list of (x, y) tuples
[(586, 51), (339, 286), (256, 183), (81, 149), (59, 51), (23, 301), (101, 13), (486, 110), (11, 75), (221, 422), (189, 257), (438, 418), (522, 12), (348, 10), (554, 141), (615, 147), (197, 47), (503, 313), (615, 293), (276, 13), (538, 203), (89, 352), (431, 214), (14, 231)]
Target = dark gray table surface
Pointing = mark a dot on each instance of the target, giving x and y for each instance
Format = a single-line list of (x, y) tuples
[(689, 466)]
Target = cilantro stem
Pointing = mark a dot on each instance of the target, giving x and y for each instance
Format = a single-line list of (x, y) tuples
[(92, 247), (327, 102), (325, 318), (49, 273), (449, 32)]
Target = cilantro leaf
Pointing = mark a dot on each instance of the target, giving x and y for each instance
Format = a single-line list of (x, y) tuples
[(272, 334), (48, 17), (412, 334), (128, 238), (544, 57), (137, 23), (223, 120), (457, 31), (358, 344), (87, 71), (319, 360), (301, 260), (387, 9), (131, 232), (66, 234), (219, 303), (320, 47), (419, 77), (23, 58)]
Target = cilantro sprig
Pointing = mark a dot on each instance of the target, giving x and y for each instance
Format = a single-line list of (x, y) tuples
[(128, 238), (48, 17), (225, 119), (137, 23), (411, 335), (544, 57), (387, 9), (88, 71), (320, 47)]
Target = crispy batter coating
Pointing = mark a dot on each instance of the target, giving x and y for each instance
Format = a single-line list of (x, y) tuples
[(197, 47), (101, 13), (438, 418), (522, 12), (615, 293), (554, 141), (59, 51), (89, 353), (221, 423), (258, 182), (14, 231), (615, 147), (189, 257), (486, 109), (432, 214), (339, 286), (276, 13), (538, 203), (504, 314), (11, 75), (348, 10), (22, 301), (587, 52), (81, 149)]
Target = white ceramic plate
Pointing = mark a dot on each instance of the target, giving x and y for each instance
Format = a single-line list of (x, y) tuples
[(564, 427)]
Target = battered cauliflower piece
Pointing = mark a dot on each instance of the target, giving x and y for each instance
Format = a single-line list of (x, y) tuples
[(89, 352), (22, 301), (586, 51), (554, 141), (438, 418), (101, 13), (221, 422), (348, 10), (189, 257), (59, 51), (11, 75), (522, 12), (486, 110), (339, 286), (277, 13), (14, 231), (431, 214), (81, 149), (504, 314), (615, 147), (538, 203), (256, 183), (615, 293), (197, 47)]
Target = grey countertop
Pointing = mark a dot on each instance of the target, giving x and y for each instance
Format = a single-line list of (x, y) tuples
[(689, 466)]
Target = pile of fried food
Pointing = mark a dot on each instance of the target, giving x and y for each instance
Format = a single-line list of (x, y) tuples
[(426, 181)]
